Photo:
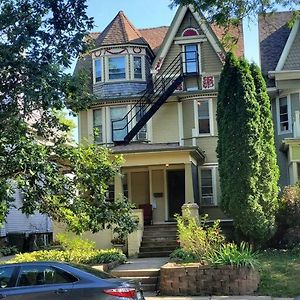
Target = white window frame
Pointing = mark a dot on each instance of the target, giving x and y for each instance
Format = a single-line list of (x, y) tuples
[(94, 70), (102, 125), (143, 67), (109, 120), (196, 118), (199, 55), (214, 184), (290, 130), (107, 68)]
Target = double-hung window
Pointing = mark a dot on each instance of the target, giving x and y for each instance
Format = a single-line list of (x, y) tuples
[(137, 67), (283, 115), (203, 117), (191, 64), (97, 126), (208, 187), (98, 70), (117, 68), (119, 123)]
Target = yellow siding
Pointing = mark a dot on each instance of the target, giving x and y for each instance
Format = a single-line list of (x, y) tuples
[(172, 53), (208, 145), (165, 124), (188, 118), (295, 152), (158, 187), (140, 188), (83, 126)]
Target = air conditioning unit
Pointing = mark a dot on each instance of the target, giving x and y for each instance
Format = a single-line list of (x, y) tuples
[(207, 200), (142, 135)]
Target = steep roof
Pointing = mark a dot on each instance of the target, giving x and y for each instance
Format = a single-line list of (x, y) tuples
[(120, 31), (273, 35)]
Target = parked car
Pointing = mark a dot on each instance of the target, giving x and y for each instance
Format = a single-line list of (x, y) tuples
[(63, 281)]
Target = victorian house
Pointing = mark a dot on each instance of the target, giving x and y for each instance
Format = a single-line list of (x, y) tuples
[(156, 91)]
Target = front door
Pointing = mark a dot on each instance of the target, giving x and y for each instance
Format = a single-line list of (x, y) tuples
[(176, 192)]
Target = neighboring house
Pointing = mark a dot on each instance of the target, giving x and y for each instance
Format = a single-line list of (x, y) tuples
[(156, 92), (280, 63)]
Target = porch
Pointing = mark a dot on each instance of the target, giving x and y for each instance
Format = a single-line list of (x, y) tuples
[(164, 176)]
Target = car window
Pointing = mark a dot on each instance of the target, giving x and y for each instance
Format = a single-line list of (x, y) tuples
[(6, 277), (93, 271), (40, 275)]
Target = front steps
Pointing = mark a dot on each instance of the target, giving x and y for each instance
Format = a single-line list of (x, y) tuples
[(159, 240), (149, 278)]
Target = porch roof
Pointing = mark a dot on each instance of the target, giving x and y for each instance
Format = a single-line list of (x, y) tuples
[(159, 149)]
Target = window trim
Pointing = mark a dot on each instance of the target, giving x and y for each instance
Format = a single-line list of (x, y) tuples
[(143, 66), (214, 185), (199, 55), (196, 118), (289, 109), (94, 70), (107, 68)]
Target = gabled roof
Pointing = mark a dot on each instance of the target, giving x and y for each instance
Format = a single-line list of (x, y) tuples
[(120, 31), (273, 35)]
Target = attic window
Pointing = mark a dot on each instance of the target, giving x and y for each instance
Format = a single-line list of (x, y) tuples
[(190, 32)]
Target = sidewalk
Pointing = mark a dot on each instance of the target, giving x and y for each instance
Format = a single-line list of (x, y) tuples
[(149, 296)]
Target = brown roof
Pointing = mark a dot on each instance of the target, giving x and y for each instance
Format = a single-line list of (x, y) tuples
[(236, 33), (120, 31), (273, 35), (154, 36)]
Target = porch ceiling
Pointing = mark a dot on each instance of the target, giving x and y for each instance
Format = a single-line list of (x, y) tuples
[(141, 154)]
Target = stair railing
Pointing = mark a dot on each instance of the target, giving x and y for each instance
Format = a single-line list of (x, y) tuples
[(173, 71)]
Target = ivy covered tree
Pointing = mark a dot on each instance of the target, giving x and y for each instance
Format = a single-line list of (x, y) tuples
[(241, 145), (39, 40)]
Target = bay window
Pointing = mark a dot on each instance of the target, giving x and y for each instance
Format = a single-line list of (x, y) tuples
[(117, 67), (97, 70), (137, 67)]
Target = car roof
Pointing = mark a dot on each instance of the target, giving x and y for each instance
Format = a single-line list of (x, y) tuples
[(33, 263)]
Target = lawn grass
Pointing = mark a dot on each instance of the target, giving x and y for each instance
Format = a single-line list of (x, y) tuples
[(280, 274)]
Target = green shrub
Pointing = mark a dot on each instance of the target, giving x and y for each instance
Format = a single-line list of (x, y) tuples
[(76, 256), (74, 242), (231, 254), (9, 250), (198, 239), (181, 256)]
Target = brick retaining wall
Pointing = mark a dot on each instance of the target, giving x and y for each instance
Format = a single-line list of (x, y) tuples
[(196, 279)]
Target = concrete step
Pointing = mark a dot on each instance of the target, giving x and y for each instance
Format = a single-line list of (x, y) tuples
[(160, 233), (144, 279), (160, 239), (160, 228), (162, 225), (165, 243), (136, 273), (155, 248), (155, 254)]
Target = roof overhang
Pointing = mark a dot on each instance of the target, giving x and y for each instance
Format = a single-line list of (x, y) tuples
[(149, 156)]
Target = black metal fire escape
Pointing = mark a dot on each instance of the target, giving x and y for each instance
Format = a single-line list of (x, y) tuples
[(154, 97)]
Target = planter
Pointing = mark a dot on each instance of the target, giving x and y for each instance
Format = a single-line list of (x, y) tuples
[(198, 280)]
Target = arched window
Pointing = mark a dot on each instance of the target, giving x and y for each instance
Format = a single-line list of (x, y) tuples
[(190, 32)]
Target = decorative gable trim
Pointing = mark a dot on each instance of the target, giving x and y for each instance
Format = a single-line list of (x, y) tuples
[(288, 46), (174, 27)]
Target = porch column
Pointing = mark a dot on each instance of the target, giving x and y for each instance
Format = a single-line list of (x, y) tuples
[(189, 191), (118, 188)]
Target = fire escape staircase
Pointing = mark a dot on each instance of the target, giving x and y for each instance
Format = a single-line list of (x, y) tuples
[(153, 98)]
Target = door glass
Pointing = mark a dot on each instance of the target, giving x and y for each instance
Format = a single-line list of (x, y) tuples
[(41, 275), (6, 277), (191, 61)]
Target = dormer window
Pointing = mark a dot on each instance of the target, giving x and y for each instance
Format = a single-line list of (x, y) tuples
[(116, 68), (98, 70)]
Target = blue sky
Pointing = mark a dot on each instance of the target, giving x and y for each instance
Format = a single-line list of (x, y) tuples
[(153, 13)]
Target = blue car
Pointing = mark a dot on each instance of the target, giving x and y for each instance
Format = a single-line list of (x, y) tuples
[(63, 281)]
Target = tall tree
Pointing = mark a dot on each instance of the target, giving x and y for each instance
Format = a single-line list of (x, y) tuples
[(269, 174), (39, 40), (228, 12), (240, 152)]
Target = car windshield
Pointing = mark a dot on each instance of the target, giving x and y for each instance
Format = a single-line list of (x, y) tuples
[(93, 271)]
